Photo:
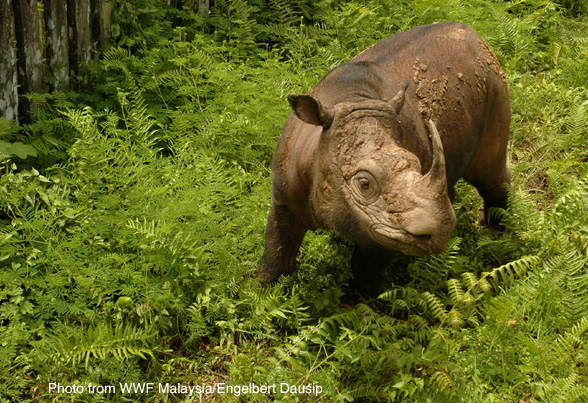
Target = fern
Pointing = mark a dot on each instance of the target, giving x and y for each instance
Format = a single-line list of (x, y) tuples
[(569, 209), (456, 293), (576, 282), (436, 306), (567, 390), (233, 20), (433, 269), (442, 380), (283, 12), (566, 341), (154, 214), (404, 299), (79, 347), (561, 298), (464, 300), (509, 271), (577, 123)]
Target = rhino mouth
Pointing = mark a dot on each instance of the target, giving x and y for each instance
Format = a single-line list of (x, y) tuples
[(405, 242)]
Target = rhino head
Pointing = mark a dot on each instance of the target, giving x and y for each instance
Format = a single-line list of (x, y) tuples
[(368, 187)]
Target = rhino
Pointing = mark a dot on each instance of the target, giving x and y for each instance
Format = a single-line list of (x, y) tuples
[(375, 149)]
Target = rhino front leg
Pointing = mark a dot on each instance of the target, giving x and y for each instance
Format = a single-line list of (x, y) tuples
[(368, 265), (283, 237)]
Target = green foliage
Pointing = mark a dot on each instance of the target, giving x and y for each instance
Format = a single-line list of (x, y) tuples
[(16, 148), (61, 350), (131, 18), (130, 234)]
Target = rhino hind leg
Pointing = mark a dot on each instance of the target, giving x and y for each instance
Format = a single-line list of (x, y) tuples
[(489, 173), (495, 195), (283, 237)]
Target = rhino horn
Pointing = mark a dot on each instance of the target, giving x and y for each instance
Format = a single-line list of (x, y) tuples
[(436, 178), (310, 110)]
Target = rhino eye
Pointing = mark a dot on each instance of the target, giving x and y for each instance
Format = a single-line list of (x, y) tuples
[(365, 187)]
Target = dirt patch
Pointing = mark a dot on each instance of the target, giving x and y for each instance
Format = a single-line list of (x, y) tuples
[(431, 93), (488, 60), (539, 184), (457, 34), (482, 85), (419, 70)]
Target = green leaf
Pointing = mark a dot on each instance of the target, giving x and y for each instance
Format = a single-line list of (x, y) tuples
[(4, 125), (18, 149)]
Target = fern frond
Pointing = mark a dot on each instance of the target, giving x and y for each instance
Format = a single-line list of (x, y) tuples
[(404, 299), (577, 122), (576, 282), (456, 292), (455, 318), (79, 347), (464, 300), (436, 306), (506, 273), (143, 227), (442, 380), (283, 12), (469, 280), (569, 210), (567, 389), (566, 341)]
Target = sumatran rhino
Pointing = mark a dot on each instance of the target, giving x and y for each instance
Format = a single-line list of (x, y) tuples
[(375, 149)]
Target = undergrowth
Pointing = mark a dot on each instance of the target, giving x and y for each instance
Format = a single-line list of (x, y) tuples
[(133, 216)]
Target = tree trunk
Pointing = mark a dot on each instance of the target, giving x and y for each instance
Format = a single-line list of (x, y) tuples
[(80, 38), (203, 6), (101, 22), (8, 74), (57, 41), (30, 67)]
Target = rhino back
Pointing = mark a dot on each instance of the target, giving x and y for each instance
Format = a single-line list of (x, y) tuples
[(455, 80)]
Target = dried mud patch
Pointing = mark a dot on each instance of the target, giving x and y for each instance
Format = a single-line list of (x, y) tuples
[(458, 34), (491, 61), (430, 93)]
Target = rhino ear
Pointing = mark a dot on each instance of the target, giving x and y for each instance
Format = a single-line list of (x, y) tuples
[(398, 99), (310, 110)]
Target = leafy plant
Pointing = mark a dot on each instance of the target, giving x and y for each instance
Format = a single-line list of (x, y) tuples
[(129, 243)]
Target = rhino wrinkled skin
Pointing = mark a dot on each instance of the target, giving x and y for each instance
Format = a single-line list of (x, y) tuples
[(374, 150)]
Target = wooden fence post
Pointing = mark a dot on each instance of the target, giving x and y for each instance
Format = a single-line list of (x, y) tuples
[(105, 22), (57, 41), (8, 75), (80, 35), (74, 32), (30, 67), (101, 22), (203, 6)]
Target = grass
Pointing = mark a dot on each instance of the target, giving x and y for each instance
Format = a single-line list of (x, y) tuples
[(129, 247)]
